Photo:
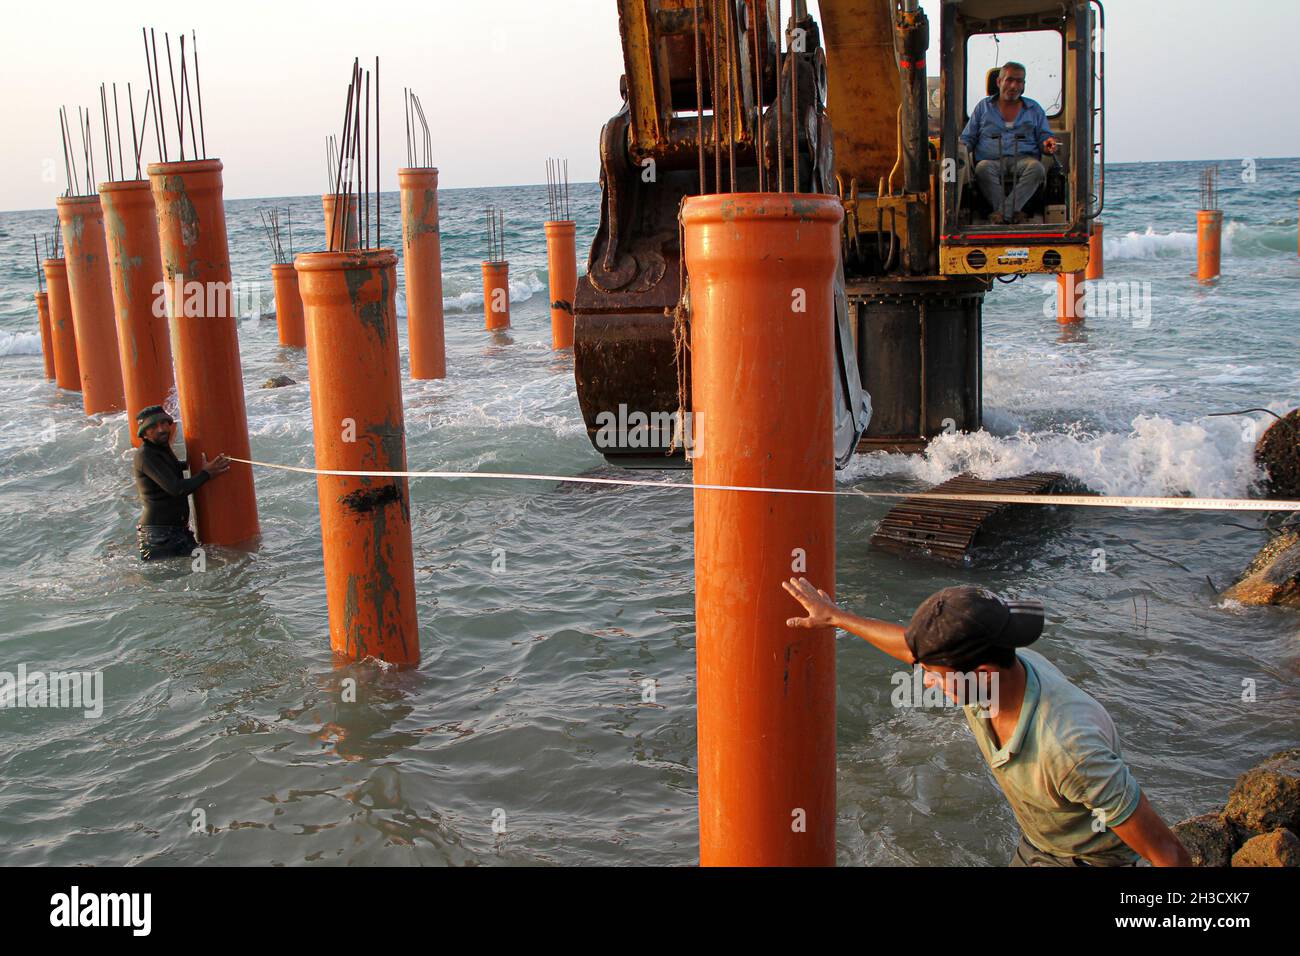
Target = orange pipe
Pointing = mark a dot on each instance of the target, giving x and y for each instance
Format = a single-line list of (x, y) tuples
[(349, 299), (67, 373), (422, 262), (136, 268), (352, 225), (762, 269), (1069, 297), (81, 220), (288, 306), (496, 295), (1209, 235), (205, 341), (562, 262), (1096, 262), (47, 344)]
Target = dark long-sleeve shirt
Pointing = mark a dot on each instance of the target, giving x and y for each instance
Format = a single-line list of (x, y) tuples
[(164, 489)]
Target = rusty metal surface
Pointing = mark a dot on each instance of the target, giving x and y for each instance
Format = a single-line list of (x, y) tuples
[(864, 88), (919, 356), (947, 530), (625, 359), (623, 346)]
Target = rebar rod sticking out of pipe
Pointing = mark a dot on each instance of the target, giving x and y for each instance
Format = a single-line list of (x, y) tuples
[(780, 135), (699, 90), (198, 89)]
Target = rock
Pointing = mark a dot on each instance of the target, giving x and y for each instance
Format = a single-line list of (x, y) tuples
[(1279, 848), (280, 381), (1278, 453), (1273, 576), (1267, 796), (1209, 839)]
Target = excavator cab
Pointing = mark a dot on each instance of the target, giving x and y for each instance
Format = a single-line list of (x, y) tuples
[(1059, 47)]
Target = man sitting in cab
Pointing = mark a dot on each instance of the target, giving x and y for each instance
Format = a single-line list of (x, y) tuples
[(1008, 133)]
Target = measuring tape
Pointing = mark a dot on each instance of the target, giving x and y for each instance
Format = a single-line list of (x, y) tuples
[(1079, 501)]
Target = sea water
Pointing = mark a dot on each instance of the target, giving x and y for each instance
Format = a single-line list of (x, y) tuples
[(552, 719)]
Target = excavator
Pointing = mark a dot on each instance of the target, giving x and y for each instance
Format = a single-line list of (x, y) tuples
[(713, 100)]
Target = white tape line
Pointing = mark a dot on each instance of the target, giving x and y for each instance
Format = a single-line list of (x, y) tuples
[(1081, 501)]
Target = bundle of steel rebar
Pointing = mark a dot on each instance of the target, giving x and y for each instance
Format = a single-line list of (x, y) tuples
[(557, 190), (1210, 188), (716, 43), (275, 235), (352, 161), (419, 144), (496, 235), (181, 100)]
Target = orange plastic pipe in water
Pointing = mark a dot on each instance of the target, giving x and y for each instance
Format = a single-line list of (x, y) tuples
[(67, 374), (562, 263), (762, 269), (1209, 234), (351, 226), (349, 299), (496, 295), (1096, 261), (1070, 297), (205, 341), (422, 262), (288, 306), (47, 343), (135, 264), (81, 220)]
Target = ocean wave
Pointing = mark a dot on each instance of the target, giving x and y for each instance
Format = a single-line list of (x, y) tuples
[(1149, 245), (523, 286), (1239, 239), (1156, 457), (20, 343)]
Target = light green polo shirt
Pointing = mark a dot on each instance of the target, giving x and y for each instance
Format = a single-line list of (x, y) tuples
[(1062, 763)]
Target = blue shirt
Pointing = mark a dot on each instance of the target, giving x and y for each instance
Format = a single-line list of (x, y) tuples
[(988, 136)]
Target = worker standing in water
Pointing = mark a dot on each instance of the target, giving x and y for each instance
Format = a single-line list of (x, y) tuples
[(1052, 749), (164, 529)]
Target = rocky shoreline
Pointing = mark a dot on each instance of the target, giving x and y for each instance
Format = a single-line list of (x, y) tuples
[(1259, 826)]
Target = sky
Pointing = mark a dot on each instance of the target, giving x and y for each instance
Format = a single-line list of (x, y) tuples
[(507, 83)]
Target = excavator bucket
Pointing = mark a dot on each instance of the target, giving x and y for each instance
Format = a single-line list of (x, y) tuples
[(631, 320)]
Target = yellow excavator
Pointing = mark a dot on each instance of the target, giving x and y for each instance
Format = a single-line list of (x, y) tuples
[(715, 101)]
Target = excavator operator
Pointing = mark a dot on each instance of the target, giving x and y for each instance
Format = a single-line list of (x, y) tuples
[(1007, 134)]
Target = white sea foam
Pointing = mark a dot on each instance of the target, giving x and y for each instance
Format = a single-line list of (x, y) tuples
[(20, 343), (1169, 245), (1149, 245), (1157, 456), (523, 286)]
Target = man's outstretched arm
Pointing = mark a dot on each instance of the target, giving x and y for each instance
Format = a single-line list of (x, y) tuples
[(823, 612)]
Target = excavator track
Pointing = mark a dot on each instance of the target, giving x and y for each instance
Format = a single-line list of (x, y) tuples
[(947, 530)]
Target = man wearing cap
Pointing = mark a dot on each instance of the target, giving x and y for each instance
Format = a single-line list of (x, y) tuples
[(1052, 749), (164, 529)]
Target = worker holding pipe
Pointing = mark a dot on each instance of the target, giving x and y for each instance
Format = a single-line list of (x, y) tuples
[(164, 529), (1051, 747)]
